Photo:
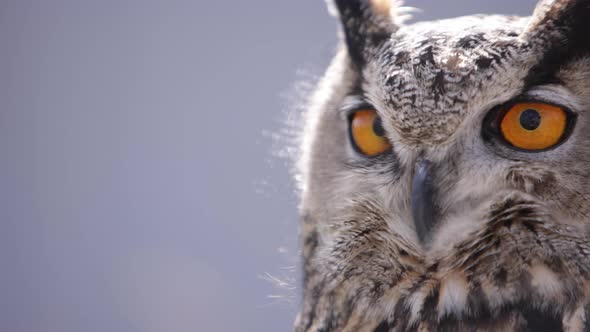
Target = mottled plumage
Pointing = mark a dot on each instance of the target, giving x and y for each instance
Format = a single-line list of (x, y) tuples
[(507, 244)]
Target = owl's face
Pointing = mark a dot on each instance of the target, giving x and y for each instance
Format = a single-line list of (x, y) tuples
[(446, 173)]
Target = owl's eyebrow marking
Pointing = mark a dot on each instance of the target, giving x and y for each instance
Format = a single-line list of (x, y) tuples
[(350, 104), (545, 72), (553, 94)]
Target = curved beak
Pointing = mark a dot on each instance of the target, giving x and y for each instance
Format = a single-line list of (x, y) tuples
[(423, 206)]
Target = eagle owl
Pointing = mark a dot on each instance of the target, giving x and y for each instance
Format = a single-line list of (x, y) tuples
[(445, 174)]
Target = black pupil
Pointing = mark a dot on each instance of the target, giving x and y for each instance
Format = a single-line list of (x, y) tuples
[(378, 127), (530, 119)]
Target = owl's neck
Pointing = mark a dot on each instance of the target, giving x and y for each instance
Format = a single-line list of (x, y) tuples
[(521, 270)]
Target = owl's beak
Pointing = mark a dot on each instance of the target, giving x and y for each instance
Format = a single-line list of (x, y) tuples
[(423, 206)]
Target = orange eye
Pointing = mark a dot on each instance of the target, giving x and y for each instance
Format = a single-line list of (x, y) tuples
[(367, 133), (534, 126)]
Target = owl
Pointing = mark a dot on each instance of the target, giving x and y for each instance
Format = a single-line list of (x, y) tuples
[(445, 174)]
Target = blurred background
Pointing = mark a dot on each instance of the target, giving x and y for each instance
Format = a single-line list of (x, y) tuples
[(143, 178)]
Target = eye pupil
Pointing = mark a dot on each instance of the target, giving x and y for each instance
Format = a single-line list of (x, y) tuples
[(530, 119), (378, 127)]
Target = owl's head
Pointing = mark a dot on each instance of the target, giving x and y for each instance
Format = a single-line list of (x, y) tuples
[(446, 172)]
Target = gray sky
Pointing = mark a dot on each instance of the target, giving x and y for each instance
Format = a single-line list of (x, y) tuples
[(138, 186)]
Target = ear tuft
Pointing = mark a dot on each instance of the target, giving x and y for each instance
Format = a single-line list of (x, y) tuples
[(564, 19), (560, 29), (366, 25), (382, 7), (545, 12), (558, 32)]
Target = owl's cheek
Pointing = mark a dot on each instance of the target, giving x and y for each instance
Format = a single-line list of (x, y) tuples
[(565, 196), (531, 179)]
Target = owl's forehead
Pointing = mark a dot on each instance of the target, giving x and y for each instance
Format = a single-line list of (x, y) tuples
[(428, 75)]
